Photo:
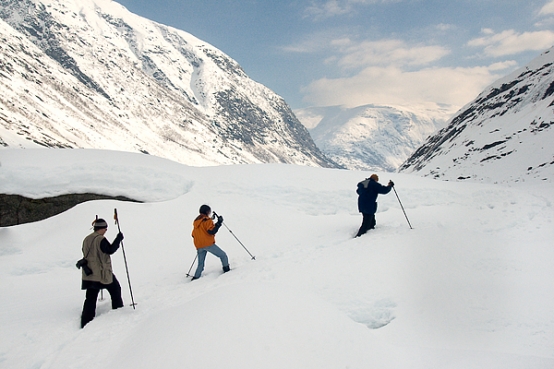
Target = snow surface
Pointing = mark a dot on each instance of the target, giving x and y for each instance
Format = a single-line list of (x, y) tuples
[(471, 286)]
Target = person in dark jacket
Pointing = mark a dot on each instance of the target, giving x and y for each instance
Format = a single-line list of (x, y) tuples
[(367, 191), (203, 235), (97, 271)]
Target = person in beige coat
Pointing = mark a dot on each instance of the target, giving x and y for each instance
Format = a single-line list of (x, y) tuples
[(97, 270)]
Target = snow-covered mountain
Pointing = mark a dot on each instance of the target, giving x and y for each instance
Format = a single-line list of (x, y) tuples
[(371, 137), (505, 135), (90, 74)]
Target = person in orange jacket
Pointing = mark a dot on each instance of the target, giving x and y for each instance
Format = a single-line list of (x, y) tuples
[(203, 234)]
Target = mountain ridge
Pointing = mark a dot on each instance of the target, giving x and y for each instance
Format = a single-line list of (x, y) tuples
[(502, 136)]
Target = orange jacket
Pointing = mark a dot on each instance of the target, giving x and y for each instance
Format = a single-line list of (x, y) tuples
[(202, 224)]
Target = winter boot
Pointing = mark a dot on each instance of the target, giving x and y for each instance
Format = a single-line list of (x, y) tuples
[(226, 269)]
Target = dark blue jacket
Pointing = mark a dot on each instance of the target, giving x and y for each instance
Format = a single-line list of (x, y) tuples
[(368, 191)]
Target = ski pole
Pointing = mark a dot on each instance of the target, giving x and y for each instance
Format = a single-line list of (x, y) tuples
[(402, 207), (194, 261), (124, 258), (252, 256)]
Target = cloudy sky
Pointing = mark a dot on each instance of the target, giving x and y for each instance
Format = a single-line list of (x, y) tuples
[(355, 52)]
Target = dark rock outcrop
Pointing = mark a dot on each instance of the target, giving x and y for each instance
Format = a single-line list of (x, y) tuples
[(16, 209)]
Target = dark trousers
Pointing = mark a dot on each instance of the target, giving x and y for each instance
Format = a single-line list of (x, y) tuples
[(367, 223), (89, 307)]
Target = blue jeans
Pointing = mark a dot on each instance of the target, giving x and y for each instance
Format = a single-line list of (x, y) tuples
[(213, 249)]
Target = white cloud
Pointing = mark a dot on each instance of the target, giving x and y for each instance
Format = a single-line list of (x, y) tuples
[(350, 54), (388, 52), (548, 8), (393, 85), (332, 8), (328, 9), (315, 42), (511, 42), (503, 65), (393, 71), (341, 42), (443, 27)]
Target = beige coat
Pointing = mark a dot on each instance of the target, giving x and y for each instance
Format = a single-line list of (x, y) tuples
[(99, 262)]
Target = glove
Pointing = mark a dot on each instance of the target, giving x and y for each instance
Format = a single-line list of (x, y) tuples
[(391, 183), (219, 219), (120, 236)]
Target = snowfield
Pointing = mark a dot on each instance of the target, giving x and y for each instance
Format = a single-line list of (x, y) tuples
[(470, 286)]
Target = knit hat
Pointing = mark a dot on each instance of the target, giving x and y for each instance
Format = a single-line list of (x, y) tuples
[(99, 224), (205, 209)]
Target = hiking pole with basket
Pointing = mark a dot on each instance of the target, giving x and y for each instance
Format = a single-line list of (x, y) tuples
[(252, 256), (124, 258), (402, 206), (194, 261)]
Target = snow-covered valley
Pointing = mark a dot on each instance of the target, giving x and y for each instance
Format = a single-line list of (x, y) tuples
[(471, 286)]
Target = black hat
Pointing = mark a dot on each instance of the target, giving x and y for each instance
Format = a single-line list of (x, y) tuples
[(205, 209), (100, 224)]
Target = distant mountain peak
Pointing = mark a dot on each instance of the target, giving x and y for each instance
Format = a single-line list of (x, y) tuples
[(371, 137)]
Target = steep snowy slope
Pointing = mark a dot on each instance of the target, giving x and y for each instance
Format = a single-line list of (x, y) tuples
[(504, 135), (88, 73), (371, 137)]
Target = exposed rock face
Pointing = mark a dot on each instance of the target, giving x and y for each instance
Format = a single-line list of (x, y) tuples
[(15, 209)]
